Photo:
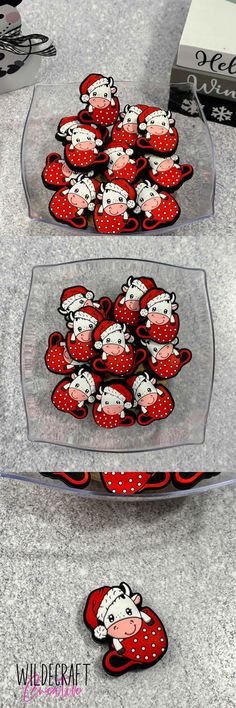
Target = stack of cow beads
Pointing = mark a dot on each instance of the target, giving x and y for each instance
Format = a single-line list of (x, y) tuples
[(120, 168), (115, 356)]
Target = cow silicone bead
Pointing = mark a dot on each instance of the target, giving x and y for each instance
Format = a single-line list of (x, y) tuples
[(165, 360), (118, 355), (136, 636), (72, 299), (158, 128), (129, 483), (56, 172), (162, 322), (157, 209), (70, 395), (111, 217), (68, 205), (98, 92), (155, 402), (127, 304), (126, 128), (166, 172), (57, 357), (79, 342), (121, 165), (113, 401), (83, 141)]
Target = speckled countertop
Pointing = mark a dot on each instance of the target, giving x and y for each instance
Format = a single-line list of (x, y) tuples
[(56, 548)]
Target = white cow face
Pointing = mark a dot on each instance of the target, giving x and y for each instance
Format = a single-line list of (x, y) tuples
[(118, 159), (115, 343), (113, 203), (130, 120), (82, 328), (102, 96), (146, 394), (161, 164), (79, 195), (161, 312), (160, 352), (81, 138), (123, 618), (148, 199), (79, 389), (110, 403), (132, 297), (158, 125)]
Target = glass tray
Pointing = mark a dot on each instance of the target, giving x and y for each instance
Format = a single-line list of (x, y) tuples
[(195, 197), (95, 488), (191, 390)]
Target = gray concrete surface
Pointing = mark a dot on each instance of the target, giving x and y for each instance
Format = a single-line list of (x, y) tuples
[(55, 549)]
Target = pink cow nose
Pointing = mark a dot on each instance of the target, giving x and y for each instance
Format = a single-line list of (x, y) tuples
[(151, 204), (86, 145), (76, 394), (77, 201), (165, 165), (126, 627), (148, 400), (157, 129), (99, 102), (85, 336), (115, 209), (67, 357), (113, 410), (131, 127), (113, 349), (158, 318), (165, 352), (132, 305), (66, 170), (121, 162)]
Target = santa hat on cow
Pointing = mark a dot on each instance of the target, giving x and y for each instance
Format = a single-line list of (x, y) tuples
[(143, 284), (66, 123), (72, 122), (105, 329), (70, 296), (151, 112), (153, 297), (114, 146), (97, 606), (89, 314), (120, 391), (121, 188), (92, 82)]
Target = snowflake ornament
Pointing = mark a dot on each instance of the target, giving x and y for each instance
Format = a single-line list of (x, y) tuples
[(221, 113)]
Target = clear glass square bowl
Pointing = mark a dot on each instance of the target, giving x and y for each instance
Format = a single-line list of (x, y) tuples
[(191, 390), (51, 102)]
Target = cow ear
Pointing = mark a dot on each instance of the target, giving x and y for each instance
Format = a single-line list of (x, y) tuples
[(127, 335), (153, 381), (99, 196), (74, 376), (68, 137), (136, 599), (70, 325), (73, 181), (126, 589)]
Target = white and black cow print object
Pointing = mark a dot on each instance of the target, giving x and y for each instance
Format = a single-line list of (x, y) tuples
[(135, 634)]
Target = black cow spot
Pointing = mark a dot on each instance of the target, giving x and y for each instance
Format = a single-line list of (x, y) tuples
[(2, 56), (12, 68)]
